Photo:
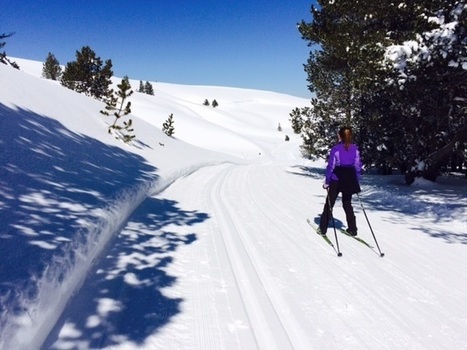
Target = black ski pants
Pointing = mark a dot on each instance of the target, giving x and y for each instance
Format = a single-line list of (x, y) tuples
[(333, 192)]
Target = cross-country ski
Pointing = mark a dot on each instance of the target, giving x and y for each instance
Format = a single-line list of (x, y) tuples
[(325, 237)]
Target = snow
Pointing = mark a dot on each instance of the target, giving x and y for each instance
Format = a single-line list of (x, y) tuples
[(202, 243), (441, 41)]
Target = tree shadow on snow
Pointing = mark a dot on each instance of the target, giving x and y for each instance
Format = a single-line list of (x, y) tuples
[(308, 171), (123, 300), (53, 185), (437, 203), (432, 205)]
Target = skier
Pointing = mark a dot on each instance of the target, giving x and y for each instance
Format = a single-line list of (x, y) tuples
[(342, 175)]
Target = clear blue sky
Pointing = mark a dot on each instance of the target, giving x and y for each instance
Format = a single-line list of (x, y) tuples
[(249, 44)]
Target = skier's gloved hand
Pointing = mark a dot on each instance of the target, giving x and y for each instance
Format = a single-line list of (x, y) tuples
[(325, 186)]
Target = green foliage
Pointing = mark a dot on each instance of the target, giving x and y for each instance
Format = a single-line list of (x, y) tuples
[(4, 36), (168, 126), (3, 58), (296, 119), (148, 89), (88, 74), (116, 107), (214, 103), (51, 68), (206, 102), (410, 108)]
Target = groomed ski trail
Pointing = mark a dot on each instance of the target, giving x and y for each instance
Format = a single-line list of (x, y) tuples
[(256, 276), (271, 258)]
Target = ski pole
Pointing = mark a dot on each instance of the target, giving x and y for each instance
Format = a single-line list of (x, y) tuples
[(368, 221), (333, 224)]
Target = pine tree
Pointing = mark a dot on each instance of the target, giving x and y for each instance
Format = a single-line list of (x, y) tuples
[(4, 36), (398, 115), (51, 68), (214, 103), (168, 127), (206, 102), (141, 87), (148, 89), (296, 119), (431, 83), (3, 58), (87, 74), (116, 107)]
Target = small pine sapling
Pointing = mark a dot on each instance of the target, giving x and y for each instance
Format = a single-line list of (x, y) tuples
[(214, 103), (279, 127), (115, 106), (168, 126), (206, 102), (51, 68), (148, 89)]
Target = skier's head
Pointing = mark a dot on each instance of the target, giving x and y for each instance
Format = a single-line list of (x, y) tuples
[(345, 135)]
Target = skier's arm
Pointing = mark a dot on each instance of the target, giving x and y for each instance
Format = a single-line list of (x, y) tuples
[(358, 164), (331, 166)]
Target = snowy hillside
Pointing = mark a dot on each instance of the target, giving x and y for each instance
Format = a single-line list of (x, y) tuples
[(201, 241)]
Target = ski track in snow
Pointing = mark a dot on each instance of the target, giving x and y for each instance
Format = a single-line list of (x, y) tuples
[(255, 258)]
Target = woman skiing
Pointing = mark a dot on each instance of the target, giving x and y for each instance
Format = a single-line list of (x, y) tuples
[(342, 175)]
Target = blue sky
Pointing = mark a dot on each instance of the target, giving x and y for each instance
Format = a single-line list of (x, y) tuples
[(248, 44)]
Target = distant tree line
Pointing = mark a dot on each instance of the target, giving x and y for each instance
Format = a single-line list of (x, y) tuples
[(394, 71), (90, 75)]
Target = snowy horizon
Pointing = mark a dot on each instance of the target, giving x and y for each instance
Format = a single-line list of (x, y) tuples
[(200, 241)]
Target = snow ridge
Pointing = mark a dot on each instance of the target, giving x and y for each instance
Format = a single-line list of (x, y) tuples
[(67, 273)]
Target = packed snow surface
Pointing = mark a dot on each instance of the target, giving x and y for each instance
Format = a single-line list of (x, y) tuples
[(201, 241)]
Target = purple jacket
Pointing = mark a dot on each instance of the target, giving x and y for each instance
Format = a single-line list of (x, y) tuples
[(339, 156)]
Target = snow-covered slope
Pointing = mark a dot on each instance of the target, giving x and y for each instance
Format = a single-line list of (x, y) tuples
[(201, 241)]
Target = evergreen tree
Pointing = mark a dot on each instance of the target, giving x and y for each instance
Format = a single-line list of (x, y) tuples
[(296, 118), (141, 87), (4, 36), (3, 58), (116, 107), (431, 80), (342, 67), (88, 74), (51, 68), (206, 102), (168, 126), (214, 103), (148, 89), (399, 115), (279, 127)]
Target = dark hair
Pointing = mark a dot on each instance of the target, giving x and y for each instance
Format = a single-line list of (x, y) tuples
[(345, 134)]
